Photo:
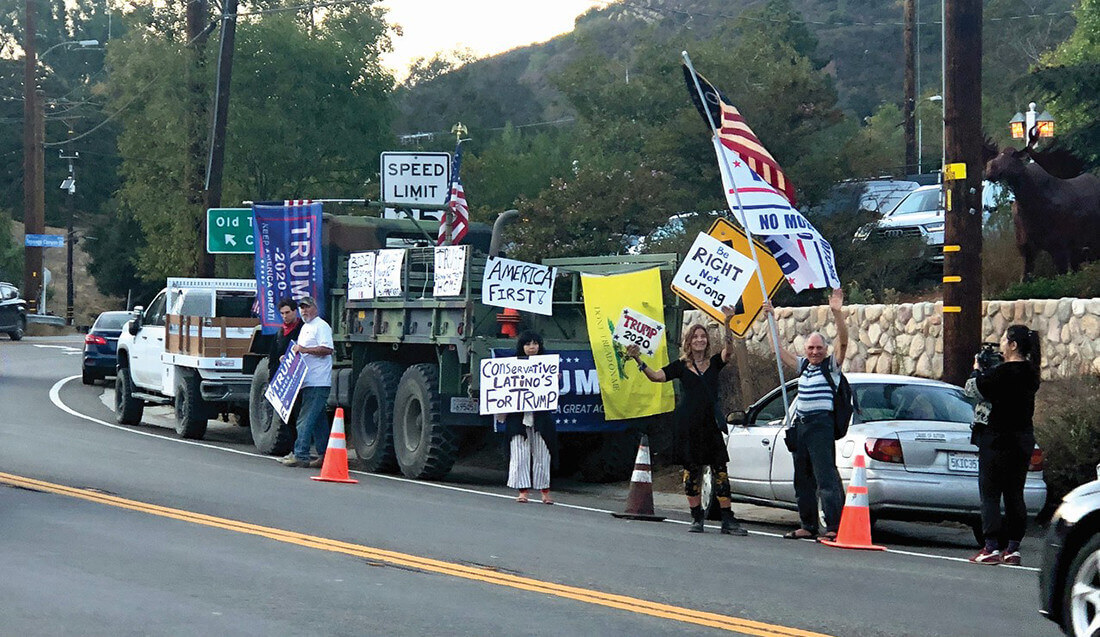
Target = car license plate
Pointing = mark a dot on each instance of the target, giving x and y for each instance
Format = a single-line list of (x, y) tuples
[(963, 462)]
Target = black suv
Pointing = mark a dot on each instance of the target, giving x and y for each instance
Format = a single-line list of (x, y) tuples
[(13, 311), (1069, 577)]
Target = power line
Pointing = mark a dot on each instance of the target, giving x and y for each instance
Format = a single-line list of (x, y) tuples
[(854, 23), (300, 7)]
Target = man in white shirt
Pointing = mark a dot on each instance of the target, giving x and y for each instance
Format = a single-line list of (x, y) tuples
[(316, 347)]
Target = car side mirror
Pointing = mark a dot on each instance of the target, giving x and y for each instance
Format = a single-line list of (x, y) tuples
[(738, 418), (135, 324)]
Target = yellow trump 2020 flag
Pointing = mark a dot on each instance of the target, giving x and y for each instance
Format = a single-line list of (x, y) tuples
[(625, 391)]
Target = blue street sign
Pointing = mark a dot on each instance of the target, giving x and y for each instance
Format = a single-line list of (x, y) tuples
[(45, 241)]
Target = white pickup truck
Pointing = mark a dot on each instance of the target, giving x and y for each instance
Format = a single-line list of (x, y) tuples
[(186, 349)]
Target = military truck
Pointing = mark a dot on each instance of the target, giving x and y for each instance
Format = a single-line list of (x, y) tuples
[(405, 367)]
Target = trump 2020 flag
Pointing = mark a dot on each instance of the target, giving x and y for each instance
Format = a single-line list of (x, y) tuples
[(287, 237), (759, 192)]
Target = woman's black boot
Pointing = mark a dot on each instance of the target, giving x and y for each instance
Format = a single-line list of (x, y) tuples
[(696, 520), (730, 526)]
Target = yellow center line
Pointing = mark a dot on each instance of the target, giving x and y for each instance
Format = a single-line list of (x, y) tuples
[(486, 575)]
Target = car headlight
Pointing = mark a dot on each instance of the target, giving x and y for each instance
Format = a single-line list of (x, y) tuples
[(934, 227)]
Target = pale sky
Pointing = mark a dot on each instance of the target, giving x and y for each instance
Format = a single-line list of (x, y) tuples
[(486, 27)]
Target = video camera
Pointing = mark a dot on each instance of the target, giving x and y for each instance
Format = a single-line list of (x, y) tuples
[(989, 356)]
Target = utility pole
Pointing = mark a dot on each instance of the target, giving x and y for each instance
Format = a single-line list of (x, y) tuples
[(215, 164), (909, 88), (69, 185), (33, 193), (196, 16), (962, 265)]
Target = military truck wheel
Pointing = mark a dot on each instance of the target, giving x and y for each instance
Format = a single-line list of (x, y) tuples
[(424, 445), (270, 434), (128, 410), (370, 427), (192, 412), (611, 458)]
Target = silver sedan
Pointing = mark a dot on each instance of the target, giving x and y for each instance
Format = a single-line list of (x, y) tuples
[(914, 434)]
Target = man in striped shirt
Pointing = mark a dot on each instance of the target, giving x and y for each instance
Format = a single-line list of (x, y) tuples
[(815, 474)]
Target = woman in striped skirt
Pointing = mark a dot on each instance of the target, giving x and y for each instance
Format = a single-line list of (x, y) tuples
[(532, 437)]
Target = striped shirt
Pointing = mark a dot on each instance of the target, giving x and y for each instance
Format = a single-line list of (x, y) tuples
[(814, 393)]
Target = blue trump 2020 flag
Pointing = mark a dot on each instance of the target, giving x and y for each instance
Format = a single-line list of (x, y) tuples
[(288, 256)]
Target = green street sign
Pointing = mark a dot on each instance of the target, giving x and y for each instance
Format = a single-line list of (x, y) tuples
[(229, 231)]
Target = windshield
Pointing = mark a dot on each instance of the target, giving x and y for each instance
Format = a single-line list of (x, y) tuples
[(882, 401), (918, 201), (111, 320)]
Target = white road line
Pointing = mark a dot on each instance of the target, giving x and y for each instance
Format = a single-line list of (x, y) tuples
[(55, 398)]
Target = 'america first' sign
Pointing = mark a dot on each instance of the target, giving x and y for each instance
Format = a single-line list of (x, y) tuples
[(517, 285), (287, 237)]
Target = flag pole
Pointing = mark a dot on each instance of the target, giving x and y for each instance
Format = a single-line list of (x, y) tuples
[(745, 226)]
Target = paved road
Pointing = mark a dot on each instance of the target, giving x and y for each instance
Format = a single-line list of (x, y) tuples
[(127, 531)]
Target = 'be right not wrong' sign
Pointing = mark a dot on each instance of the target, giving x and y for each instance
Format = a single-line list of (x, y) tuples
[(713, 275)]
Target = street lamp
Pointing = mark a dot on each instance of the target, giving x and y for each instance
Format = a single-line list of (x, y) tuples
[(78, 43), (33, 163), (1022, 124), (936, 99)]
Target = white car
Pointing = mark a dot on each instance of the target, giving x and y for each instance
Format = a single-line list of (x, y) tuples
[(914, 434), (920, 214)]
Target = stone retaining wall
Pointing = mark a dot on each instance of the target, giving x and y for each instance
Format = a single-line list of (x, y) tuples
[(907, 338)]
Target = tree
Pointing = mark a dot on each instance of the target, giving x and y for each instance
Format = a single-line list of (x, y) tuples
[(596, 212), (309, 112), (1069, 80)]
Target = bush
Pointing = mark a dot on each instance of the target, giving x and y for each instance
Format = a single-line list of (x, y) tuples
[(1067, 428), (1085, 283)]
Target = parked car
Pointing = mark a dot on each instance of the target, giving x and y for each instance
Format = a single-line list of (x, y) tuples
[(914, 434), (921, 214), (1069, 574), (101, 346), (13, 312)]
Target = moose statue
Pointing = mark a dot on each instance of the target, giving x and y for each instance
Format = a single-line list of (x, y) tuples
[(1058, 215)]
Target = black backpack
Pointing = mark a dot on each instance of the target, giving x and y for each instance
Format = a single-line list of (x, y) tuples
[(843, 399)]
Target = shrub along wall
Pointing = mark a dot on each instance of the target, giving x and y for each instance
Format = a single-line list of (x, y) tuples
[(907, 338)]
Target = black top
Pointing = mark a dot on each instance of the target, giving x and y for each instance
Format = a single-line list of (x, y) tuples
[(696, 436), (1010, 389), (278, 347)]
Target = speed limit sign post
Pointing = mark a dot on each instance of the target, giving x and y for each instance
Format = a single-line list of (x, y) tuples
[(635, 328)]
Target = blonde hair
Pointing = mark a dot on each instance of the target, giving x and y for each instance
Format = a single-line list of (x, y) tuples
[(685, 343)]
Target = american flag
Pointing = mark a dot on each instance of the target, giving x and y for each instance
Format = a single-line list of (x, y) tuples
[(735, 134), (460, 212)]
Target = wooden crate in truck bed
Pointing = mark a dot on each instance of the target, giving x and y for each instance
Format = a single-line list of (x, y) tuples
[(219, 337)]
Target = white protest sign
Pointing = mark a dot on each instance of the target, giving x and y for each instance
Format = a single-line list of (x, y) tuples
[(714, 274), (510, 385), (360, 276), (635, 328), (387, 272), (518, 285), (450, 266)]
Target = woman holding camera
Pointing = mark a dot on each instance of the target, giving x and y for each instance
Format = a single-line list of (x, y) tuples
[(1006, 442), (698, 440)]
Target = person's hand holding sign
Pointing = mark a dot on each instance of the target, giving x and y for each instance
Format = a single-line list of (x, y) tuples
[(655, 375)]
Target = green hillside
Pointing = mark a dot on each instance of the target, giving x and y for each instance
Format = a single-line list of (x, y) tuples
[(859, 43)]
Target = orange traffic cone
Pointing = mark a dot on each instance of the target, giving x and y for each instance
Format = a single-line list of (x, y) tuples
[(855, 520), (335, 467), (639, 501)]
